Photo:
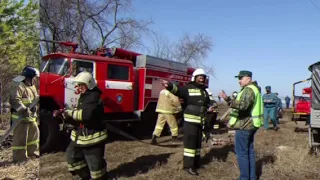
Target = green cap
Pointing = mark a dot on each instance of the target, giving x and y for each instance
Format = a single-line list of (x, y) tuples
[(244, 73)]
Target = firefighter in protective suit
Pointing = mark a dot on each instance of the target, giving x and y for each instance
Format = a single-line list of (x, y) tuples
[(26, 134), (196, 98), (85, 153), (168, 106), (211, 121)]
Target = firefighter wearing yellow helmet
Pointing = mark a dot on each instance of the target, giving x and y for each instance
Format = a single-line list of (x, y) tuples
[(26, 134), (197, 100), (85, 153)]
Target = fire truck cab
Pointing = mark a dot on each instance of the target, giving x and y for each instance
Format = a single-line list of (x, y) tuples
[(301, 104), (130, 83)]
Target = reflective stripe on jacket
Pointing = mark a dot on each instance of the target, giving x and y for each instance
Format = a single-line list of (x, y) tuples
[(196, 99), (20, 98)]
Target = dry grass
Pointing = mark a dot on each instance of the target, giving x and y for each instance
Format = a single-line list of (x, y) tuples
[(8, 170), (280, 155)]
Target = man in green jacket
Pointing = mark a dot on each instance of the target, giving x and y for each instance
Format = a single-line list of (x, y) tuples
[(246, 118)]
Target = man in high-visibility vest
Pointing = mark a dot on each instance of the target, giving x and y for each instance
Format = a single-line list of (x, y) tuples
[(26, 134), (256, 84), (167, 107), (246, 119)]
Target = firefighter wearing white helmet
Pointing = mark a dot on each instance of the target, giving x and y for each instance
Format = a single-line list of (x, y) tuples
[(196, 101), (85, 153), (198, 72), (26, 134)]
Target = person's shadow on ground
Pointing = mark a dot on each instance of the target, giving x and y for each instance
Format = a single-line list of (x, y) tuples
[(140, 165)]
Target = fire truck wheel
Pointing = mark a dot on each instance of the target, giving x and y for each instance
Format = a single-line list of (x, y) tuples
[(49, 132)]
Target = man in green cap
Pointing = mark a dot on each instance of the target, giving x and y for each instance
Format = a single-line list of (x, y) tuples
[(256, 84), (270, 101), (246, 119)]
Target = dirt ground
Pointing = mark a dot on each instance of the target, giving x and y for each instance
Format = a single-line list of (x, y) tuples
[(280, 155)]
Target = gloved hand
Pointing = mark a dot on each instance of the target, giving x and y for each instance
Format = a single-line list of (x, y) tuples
[(179, 108), (26, 113), (67, 113), (57, 113), (34, 109)]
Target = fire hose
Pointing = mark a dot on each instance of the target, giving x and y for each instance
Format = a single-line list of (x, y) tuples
[(58, 113)]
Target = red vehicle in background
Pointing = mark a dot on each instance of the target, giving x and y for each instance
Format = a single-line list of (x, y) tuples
[(130, 83), (301, 105)]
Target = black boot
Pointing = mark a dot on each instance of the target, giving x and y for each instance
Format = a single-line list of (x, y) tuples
[(192, 171), (154, 140)]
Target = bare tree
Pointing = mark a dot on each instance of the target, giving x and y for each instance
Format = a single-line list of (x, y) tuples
[(161, 47), (191, 50), (92, 23)]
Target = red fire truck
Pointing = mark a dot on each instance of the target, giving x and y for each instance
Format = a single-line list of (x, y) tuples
[(130, 83), (301, 104)]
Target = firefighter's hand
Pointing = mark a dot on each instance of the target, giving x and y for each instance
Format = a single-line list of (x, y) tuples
[(164, 83), (34, 109), (211, 109), (57, 113), (27, 113), (67, 114)]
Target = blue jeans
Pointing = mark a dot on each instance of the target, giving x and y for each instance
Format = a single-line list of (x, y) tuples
[(272, 114), (244, 148)]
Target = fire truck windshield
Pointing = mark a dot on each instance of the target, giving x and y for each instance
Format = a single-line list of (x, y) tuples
[(56, 66)]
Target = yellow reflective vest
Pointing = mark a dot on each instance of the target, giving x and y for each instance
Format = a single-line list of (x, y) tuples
[(256, 112)]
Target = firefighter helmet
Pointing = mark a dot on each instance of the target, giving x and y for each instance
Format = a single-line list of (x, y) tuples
[(86, 78), (198, 72), (27, 72)]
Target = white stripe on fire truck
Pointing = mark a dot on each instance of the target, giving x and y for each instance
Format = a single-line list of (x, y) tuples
[(118, 85), (148, 86)]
